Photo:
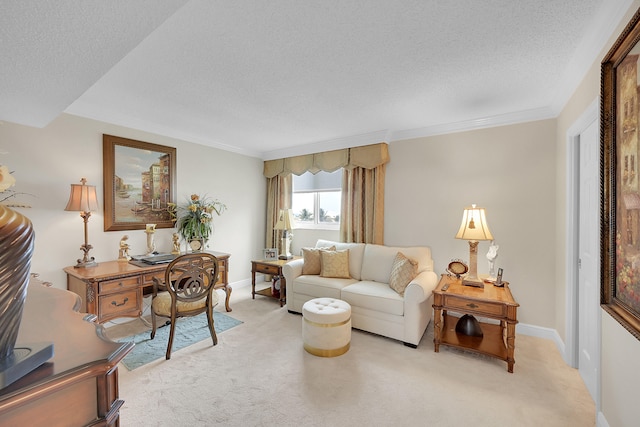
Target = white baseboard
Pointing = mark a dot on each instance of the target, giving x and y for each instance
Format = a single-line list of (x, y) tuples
[(540, 332), (601, 421)]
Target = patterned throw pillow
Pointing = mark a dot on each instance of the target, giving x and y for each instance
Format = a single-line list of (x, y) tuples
[(311, 257), (335, 264), (403, 271)]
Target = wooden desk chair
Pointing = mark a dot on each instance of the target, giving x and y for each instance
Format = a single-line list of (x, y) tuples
[(187, 290)]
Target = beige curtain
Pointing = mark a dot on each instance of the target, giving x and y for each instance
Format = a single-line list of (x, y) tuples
[(362, 212), (278, 197)]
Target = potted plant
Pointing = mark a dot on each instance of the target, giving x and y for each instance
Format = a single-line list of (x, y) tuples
[(195, 220)]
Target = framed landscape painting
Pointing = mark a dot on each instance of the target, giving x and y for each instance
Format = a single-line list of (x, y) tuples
[(139, 184), (620, 145)]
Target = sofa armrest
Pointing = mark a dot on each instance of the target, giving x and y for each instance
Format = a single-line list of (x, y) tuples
[(291, 270), (421, 287), (418, 310)]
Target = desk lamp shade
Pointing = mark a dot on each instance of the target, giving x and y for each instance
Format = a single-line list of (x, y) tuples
[(474, 227), (83, 199), (285, 223)]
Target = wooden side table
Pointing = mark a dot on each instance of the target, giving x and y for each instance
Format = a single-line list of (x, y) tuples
[(491, 302), (274, 268)]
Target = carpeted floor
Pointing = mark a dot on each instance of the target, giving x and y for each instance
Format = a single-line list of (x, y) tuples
[(259, 375), (189, 330)]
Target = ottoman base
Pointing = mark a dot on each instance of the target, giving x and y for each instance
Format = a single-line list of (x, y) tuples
[(326, 353), (326, 327)]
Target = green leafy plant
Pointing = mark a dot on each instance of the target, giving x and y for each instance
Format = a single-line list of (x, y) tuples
[(195, 218)]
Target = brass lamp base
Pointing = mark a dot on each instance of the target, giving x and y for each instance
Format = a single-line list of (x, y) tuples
[(472, 281)]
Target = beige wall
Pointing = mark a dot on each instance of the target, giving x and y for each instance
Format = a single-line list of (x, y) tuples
[(509, 171), (46, 161)]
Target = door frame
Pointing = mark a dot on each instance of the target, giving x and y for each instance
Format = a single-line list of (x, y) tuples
[(590, 115)]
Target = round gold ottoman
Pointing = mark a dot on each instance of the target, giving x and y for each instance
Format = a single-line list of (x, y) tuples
[(326, 327)]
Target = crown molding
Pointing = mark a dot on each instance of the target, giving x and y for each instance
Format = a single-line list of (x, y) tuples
[(481, 123)]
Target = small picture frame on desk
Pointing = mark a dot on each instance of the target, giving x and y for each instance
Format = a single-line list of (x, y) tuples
[(270, 254)]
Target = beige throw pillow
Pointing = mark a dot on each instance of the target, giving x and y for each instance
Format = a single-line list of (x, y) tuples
[(403, 271), (311, 258), (335, 264)]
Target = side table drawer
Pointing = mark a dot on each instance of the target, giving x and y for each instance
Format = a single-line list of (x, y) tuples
[(267, 269), (118, 284), (478, 307), (118, 304)]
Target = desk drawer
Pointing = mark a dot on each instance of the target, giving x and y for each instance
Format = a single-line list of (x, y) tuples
[(118, 284), (267, 269), (147, 279), (478, 307), (120, 303)]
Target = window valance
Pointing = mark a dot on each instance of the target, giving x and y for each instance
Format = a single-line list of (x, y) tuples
[(368, 157)]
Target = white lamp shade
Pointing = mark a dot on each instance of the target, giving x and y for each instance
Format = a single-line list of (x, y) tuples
[(474, 225), (83, 198), (285, 220)]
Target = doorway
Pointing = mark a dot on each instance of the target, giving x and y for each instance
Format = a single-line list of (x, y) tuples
[(583, 249)]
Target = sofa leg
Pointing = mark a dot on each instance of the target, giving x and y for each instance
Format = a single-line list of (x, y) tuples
[(410, 345)]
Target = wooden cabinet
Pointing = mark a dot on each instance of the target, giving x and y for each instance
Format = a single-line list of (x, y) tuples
[(115, 289), (79, 385), (490, 302)]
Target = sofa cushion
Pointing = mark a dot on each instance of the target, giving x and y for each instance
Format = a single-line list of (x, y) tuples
[(356, 252), (374, 296), (377, 263), (335, 264), (403, 272), (311, 257), (421, 254), (378, 260), (318, 286)]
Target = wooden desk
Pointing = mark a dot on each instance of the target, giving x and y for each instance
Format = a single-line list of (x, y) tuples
[(115, 289), (489, 302), (274, 268), (79, 385)]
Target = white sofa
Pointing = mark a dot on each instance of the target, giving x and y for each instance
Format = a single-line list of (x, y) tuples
[(375, 306)]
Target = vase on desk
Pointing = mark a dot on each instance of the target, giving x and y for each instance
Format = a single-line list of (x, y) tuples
[(16, 240)]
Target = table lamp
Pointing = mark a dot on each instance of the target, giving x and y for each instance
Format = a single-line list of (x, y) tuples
[(285, 223), (473, 228), (83, 199)]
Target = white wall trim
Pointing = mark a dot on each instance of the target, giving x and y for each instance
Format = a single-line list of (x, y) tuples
[(541, 332), (601, 421), (590, 115)]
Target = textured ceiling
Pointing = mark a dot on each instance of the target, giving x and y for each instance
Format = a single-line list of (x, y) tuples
[(278, 78)]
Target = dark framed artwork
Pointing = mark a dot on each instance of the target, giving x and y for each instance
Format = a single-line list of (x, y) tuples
[(139, 184), (620, 196)]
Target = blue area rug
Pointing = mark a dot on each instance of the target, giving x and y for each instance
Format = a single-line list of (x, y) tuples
[(189, 330)]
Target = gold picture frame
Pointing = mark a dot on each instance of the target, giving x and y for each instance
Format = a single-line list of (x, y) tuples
[(620, 196), (139, 183)]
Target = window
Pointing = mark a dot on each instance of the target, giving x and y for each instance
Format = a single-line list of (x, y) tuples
[(316, 199)]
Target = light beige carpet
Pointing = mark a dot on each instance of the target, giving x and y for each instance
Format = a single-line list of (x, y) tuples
[(259, 375)]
